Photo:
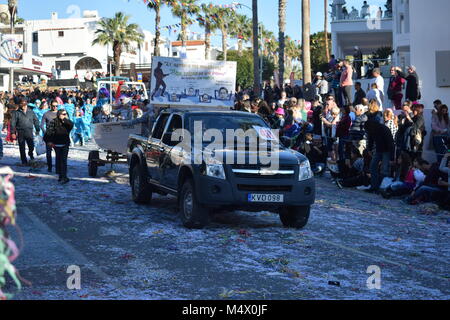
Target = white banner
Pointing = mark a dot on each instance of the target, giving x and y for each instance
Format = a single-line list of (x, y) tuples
[(180, 82)]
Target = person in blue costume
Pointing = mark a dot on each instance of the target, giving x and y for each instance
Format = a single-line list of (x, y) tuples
[(69, 107), (87, 118), (79, 128)]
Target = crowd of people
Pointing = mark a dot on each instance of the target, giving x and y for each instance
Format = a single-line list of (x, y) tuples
[(62, 118), (367, 139), (364, 137)]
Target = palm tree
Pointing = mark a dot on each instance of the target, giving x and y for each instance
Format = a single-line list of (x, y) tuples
[(156, 6), (118, 33), (12, 7), (256, 71), (206, 19), (293, 51), (272, 47), (224, 18), (183, 11), (327, 49), (306, 28), (242, 30), (282, 29)]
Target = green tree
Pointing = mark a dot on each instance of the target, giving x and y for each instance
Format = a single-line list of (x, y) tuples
[(184, 11), (244, 73), (241, 29), (224, 18), (206, 19), (118, 33), (156, 6), (319, 60)]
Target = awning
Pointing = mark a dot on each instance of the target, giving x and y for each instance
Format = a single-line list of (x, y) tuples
[(26, 71)]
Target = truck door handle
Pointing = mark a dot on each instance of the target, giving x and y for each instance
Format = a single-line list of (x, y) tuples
[(161, 149)]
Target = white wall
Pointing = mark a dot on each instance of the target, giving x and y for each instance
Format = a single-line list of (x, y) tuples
[(429, 33)]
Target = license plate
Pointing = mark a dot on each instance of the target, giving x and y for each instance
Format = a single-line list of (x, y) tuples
[(265, 197)]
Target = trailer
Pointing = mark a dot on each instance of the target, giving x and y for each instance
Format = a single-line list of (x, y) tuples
[(111, 139)]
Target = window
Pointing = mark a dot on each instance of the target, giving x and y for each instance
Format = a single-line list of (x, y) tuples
[(35, 37), (60, 34), (160, 126), (64, 65), (146, 46), (175, 124), (175, 54), (2, 83)]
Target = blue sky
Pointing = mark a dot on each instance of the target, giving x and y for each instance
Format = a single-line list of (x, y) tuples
[(268, 11)]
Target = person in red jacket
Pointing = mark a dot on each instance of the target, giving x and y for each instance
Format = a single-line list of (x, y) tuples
[(395, 90), (343, 131)]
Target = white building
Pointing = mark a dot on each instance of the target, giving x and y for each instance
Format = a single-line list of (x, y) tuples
[(419, 37), (68, 43), (368, 33), (194, 50)]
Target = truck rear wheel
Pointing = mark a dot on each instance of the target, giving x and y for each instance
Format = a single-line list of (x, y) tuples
[(295, 217), (140, 189), (92, 163), (192, 213)]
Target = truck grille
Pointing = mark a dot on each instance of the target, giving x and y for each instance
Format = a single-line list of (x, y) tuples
[(260, 172), (260, 188)]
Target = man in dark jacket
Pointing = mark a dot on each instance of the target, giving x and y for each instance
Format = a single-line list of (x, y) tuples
[(23, 122), (381, 136), (412, 84), (359, 94)]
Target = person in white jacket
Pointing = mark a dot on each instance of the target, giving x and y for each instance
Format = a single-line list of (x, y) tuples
[(375, 94)]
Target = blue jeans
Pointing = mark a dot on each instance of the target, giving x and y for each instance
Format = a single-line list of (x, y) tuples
[(376, 175), (427, 194)]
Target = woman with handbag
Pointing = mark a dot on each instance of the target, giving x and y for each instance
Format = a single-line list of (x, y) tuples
[(57, 136)]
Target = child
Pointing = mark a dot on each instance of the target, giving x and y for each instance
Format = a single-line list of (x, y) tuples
[(79, 128), (279, 123)]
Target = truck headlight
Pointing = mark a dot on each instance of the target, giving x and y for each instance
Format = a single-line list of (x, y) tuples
[(305, 171), (214, 169)]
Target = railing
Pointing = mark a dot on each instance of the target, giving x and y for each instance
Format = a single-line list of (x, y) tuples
[(340, 13)]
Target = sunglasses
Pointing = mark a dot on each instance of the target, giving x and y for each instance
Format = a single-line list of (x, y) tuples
[(64, 114)]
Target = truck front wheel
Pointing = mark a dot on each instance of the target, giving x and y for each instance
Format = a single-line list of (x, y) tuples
[(295, 217), (192, 213), (140, 189)]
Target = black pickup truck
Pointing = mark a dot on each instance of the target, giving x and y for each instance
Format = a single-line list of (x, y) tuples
[(163, 164)]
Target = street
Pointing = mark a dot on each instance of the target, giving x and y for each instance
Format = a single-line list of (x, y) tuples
[(126, 251)]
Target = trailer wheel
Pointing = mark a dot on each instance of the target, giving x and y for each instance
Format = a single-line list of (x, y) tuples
[(94, 156)]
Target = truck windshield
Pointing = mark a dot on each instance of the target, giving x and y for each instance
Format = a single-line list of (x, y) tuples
[(228, 121)]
